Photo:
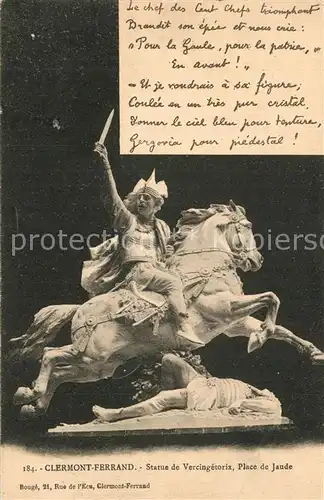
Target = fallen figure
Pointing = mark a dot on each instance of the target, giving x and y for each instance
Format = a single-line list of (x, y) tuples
[(184, 388)]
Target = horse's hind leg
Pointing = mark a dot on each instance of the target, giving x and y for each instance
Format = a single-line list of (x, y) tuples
[(60, 375), (250, 325), (50, 359)]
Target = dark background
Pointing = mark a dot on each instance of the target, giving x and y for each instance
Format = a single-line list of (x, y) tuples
[(68, 71)]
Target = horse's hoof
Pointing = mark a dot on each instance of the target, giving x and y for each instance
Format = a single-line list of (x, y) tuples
[(28, 412), (268, 329), (256, 341), (317, 358), (23, 395)]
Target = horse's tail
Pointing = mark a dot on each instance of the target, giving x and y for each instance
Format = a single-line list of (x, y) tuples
[(47, 323)]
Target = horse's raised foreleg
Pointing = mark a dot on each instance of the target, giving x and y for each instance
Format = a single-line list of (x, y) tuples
[(225, 308), (246, 305)]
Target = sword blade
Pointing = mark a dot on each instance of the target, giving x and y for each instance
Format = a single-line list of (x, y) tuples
[(106, 128)]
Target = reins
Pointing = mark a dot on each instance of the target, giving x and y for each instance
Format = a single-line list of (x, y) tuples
[(234, 256)]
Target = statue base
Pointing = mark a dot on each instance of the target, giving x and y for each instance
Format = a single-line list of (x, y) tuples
[(175, 422)]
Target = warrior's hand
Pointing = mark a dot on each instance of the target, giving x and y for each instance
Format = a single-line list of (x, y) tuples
[(102, 152), (169, 251)]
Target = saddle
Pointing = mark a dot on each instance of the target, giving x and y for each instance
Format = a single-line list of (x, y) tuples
[(143, 306), (138, 307)]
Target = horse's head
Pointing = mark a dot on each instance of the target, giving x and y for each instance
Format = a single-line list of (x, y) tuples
[(222, 229), (240, 239)]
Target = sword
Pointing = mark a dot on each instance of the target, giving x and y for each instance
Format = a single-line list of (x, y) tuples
[(106, 128)]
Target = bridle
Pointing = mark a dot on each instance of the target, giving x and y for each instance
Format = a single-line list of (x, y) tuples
[(237, 224), (241, 254)]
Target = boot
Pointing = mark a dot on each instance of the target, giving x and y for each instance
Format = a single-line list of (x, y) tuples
[(185, 331)]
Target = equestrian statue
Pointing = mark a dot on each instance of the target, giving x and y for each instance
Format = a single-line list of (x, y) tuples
[(152, 292)]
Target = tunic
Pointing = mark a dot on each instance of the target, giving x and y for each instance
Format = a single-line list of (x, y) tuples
[(211, 393)]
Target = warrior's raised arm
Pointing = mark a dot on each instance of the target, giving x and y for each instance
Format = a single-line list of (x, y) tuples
[(122, 217)]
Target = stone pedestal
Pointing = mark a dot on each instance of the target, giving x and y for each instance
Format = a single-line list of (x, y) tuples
[(174, 422)]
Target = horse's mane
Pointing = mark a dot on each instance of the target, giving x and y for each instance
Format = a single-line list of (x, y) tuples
[(192, 217)]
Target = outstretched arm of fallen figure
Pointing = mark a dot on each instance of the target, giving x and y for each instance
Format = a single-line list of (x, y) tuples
[(266, 404)]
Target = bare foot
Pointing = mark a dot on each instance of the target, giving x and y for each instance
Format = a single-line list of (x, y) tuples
[(104, 414)]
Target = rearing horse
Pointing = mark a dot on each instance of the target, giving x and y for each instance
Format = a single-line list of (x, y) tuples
[(210, 245)]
